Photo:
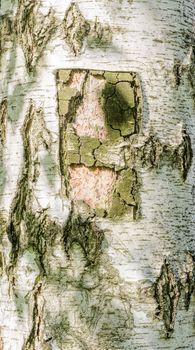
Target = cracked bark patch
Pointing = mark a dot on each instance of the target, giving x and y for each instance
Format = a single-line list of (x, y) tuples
[(100, 111), (100, 183), (177, 278), (34, 30)]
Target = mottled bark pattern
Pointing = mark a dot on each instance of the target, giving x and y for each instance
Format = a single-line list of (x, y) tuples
[(97, 174)]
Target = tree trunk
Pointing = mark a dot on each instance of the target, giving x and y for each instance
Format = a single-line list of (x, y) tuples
[(97, 196)]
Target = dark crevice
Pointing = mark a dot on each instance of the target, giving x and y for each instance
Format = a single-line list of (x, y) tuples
[(85, 233)]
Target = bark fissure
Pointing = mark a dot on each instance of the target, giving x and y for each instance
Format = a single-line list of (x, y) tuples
[(154, 153), (77, 30), (6, 31), (3, 120), (177, 278), (35, 338), (34, 30), (83, 231), (34, 134)]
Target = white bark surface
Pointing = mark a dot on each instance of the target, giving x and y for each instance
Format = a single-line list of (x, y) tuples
[(150, 38)]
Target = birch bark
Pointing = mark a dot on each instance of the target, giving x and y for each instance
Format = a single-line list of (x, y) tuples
[(72, 277)]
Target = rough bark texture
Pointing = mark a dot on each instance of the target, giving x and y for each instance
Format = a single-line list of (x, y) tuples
[(97, 194)]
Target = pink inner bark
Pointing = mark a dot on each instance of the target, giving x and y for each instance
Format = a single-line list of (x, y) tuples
[(90, 120), (93, 186), (77, 80)]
